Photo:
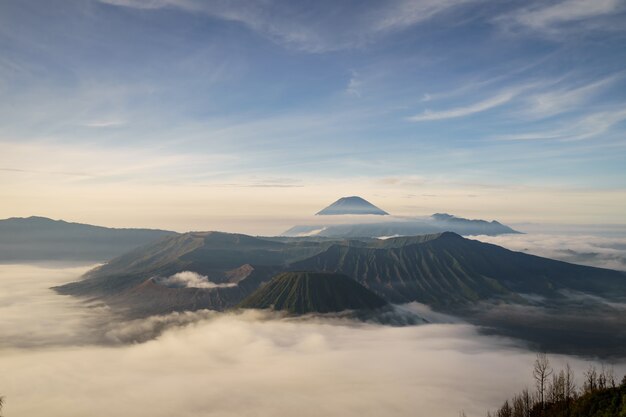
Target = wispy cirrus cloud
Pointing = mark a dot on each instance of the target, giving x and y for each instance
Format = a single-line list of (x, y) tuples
[(104, 123), (320, 27), (354, 85), (551, 19), (455, 112), (405, 13), (585, 127), (47, 173), (35, 162), (539, 100), (549, 103)]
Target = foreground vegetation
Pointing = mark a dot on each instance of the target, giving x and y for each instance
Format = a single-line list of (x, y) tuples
[(556, 394)]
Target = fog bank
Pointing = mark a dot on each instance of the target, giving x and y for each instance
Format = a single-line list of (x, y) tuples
[(603, 251), (189, 279), (246, 364)]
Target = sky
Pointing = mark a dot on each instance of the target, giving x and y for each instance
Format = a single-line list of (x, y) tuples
[(251, 115)]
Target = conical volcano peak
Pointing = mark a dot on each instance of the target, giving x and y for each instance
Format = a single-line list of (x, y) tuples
[(351, 205), (313, 292)]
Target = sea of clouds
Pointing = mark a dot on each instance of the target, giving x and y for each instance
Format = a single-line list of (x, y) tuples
[(62, 357), (604, 251)]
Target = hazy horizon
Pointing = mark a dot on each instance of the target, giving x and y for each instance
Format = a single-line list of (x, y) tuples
[(275, 225)]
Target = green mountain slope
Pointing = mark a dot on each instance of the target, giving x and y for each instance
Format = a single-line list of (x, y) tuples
[(313, 292), (447, 269)]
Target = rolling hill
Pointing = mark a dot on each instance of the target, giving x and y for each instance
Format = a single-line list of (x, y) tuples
[(44, 239)]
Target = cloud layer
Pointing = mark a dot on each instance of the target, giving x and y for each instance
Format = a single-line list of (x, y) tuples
[(244, 364), (329, 27), (599, 251), (189, 279)]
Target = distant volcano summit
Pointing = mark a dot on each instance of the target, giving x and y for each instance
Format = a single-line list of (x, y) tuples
[(351, 205)]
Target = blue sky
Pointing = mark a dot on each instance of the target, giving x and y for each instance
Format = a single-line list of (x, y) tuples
[(399, 100)]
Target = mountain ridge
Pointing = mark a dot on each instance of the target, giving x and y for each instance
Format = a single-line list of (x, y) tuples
[(437, 223), (444, 270), (449, 270), (38, 238)]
